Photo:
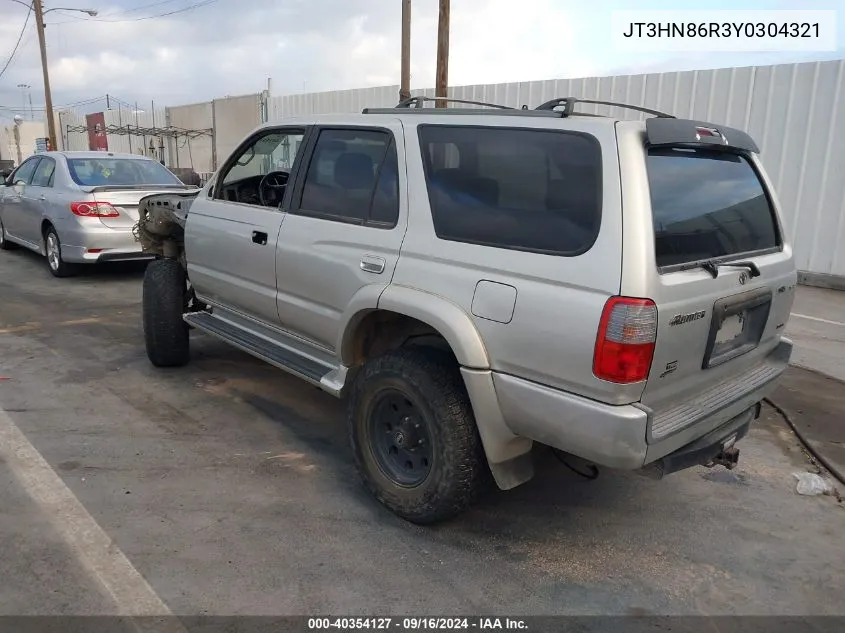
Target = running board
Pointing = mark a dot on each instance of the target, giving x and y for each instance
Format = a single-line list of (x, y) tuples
[(278, 356)]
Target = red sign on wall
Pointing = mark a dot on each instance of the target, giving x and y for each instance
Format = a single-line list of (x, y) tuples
[(97, 139)]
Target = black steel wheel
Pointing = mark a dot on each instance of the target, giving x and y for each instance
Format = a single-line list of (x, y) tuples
[(413, 434), (400, 438)]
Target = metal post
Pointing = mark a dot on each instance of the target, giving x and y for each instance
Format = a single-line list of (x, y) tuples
[(213, 136), (405, 81), (48, 97), (17, 134), (442, 80)]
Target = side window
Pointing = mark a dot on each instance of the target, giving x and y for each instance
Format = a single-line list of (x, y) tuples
[(43, 176), (274, 152), (385, 208), (350, 172), (514, 188), (25, 171)]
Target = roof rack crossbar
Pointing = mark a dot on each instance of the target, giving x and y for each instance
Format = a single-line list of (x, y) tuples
[(568, 104), (417, 102), (467, 111)]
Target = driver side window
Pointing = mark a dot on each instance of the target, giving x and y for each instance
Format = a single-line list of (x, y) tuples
[(259, 173)]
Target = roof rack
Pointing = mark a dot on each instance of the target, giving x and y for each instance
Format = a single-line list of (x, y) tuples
[(549, 108), (568, 104), (417, 102), (414, 105)]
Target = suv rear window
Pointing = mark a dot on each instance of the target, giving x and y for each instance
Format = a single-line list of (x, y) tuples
[(515, 188), (707, 204)]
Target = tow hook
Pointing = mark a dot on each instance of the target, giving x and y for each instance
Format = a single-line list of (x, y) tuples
[(727, 458)]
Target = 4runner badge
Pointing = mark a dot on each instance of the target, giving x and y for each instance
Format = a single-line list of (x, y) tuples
[(681, 319)]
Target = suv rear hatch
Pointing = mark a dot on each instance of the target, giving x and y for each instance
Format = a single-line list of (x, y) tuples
[(720, 272)]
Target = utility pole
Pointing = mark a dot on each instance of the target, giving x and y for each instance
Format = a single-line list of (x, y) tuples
[(442, 80), (405, 82), (48, 97)]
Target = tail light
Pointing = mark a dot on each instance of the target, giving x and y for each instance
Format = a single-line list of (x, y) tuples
[(94, 209), (625, 341)]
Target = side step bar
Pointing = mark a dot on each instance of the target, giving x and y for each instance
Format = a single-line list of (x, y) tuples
[(276, 355)]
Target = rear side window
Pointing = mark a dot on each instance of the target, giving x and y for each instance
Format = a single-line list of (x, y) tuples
[(514, 188), (353, 176), (43, 176), (707, 205)]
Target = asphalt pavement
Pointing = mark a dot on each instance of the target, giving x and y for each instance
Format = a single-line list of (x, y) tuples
[(813, 392), (227, 487)]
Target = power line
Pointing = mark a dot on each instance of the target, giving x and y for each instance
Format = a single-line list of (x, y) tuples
[(26, 42), (147, 17), (141, 8), (18, 43), (66, 105)]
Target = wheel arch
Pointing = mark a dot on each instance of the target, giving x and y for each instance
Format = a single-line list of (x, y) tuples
[(442, 316), (386, 317)]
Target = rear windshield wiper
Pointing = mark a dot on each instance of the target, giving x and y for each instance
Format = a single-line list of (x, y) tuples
[(712, 267)]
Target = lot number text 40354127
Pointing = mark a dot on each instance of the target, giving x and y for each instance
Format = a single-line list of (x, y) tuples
[(416, 623)]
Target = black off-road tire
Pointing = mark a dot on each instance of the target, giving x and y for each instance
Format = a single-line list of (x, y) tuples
[(165, 332), (431, 380), (5, 244)]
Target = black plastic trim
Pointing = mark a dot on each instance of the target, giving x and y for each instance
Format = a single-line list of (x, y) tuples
[(259, 347), (672, 132), (707, 447), (730, 306)]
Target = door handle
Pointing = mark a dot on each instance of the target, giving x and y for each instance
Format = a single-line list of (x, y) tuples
[(372, 264), (42, 198), (259, 237)]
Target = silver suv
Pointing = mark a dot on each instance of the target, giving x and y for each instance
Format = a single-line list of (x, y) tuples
[(479, 279)]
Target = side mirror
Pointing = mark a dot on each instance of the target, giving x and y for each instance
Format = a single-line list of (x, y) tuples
[(20, 183)]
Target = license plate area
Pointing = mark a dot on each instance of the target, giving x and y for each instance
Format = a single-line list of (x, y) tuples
[(737, 326)]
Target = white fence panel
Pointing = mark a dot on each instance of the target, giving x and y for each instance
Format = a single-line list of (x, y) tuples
[(795, 112)]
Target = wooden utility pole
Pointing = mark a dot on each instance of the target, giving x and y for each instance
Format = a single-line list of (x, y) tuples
[(442, 80), (405, 82), (48, 97)]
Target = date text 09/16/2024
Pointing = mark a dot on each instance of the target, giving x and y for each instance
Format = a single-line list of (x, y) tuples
[(417, 624)]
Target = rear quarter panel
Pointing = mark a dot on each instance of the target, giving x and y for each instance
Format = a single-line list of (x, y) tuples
[(538, 314)]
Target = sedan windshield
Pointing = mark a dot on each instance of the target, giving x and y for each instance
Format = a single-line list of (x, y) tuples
[(93, 172)]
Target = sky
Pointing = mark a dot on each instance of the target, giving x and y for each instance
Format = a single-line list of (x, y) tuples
[(213, 48)]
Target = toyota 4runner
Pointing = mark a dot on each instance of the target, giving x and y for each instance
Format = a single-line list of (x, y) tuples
[(477, 279)]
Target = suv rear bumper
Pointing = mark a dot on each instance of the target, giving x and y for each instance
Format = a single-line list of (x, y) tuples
[(619, 436)]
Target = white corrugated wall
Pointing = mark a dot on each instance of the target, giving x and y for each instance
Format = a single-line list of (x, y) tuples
[(123, 117), (795, 112)]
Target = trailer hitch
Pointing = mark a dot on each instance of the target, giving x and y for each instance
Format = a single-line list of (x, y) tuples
[(728, 458)]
